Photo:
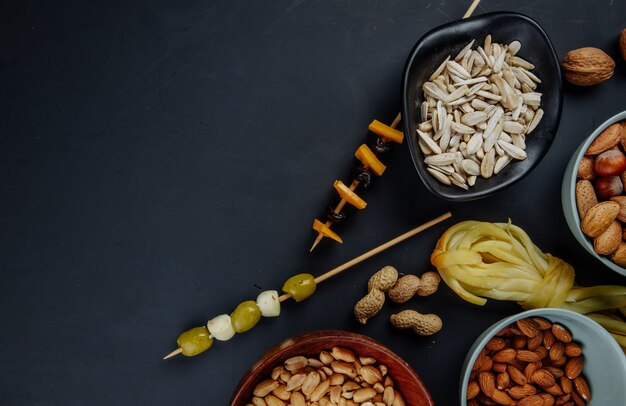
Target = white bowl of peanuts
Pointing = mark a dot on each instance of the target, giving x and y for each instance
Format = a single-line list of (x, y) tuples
[(331, 368), (481, 103), (544, 357)]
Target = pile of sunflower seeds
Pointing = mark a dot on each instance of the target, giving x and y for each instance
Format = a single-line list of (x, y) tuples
[(478, 109)]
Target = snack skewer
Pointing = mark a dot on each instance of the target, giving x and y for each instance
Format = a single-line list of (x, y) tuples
[(393, 125), (357, 260)]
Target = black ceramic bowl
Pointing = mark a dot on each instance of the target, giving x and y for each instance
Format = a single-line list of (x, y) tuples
[(449, 39)]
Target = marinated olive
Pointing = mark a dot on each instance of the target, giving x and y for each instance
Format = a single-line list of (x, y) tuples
[(195, 341), (300, 286), (245, 316), (379, 146), (334, 216), (363, 175)]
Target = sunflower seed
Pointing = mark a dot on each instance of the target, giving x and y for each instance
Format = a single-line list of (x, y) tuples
[(439, 176), (432, 145), (487, 165), (536, 119), (442, 159), (501, 163), (514, 47), (514, 151)]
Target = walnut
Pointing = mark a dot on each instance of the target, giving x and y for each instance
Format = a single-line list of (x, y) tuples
[(587, 66)]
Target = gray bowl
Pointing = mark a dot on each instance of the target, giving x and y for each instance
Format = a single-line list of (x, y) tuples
[(568, 195), (605, 363)]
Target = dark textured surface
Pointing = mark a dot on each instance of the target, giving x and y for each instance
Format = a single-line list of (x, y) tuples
[(162, 161)]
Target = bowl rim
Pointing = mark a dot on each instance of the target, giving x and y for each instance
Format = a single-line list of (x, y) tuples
[(550, 312), (569, 187), (276, 352), (469, 195)]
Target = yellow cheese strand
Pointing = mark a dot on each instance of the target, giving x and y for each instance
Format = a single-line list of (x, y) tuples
[(481, 260)]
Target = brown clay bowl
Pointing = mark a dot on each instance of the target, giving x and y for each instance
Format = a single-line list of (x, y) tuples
[(406, 380)]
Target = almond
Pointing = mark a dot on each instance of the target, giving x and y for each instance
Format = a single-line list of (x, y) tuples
[(587, 66), (609, 241), (586, 170), (585, 197), (528, 327), (527, 356), (542, 323), (543, 378), (501, 398), (548, 338), (561, 333), (557, 350), (566, 384), (573, 350), (598, 219), (554, 390), (498, 367), (574, 367), (487, 383), (516, 375), (505, 355), (582, 388), (619, 257), (522, 391), (561, 400), (548, 400), (621, 200), (555, 371), (473, 389), (495, 344), (534, 400), (607, 139), (534, 342), (502, 380)]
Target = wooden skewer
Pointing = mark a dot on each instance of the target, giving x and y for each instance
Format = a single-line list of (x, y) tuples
[(342, 202), (375, 251), (173, 353), (394, 124), (358, 260)]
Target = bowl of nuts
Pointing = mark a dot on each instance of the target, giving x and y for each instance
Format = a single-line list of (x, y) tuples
[(592, 193), (544, 357), (481, 103), (330, 368)]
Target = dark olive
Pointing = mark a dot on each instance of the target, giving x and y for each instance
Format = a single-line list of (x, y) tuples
[(334, 216), (363, 175), (379, 146)]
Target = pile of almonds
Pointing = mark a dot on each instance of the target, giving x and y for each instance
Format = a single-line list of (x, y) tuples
[(602, 204), (337, 377), (478, 109), (529, 363)]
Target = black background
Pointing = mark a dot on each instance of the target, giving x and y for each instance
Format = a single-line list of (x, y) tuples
[(160, 162)]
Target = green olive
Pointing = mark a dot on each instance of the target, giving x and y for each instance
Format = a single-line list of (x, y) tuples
[(195, 341), (245, 316), (300, 286)]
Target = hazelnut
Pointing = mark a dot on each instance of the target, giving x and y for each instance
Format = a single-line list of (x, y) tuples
[(587, 66), (608, 186), (610, 163)]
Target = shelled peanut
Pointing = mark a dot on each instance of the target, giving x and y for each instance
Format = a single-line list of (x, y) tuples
[(335, 377), (530, 362), (600, 197)]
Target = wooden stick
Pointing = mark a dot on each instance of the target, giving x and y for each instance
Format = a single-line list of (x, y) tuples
[(342, 202), (375, 251), (471, 9), (173, 353)]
